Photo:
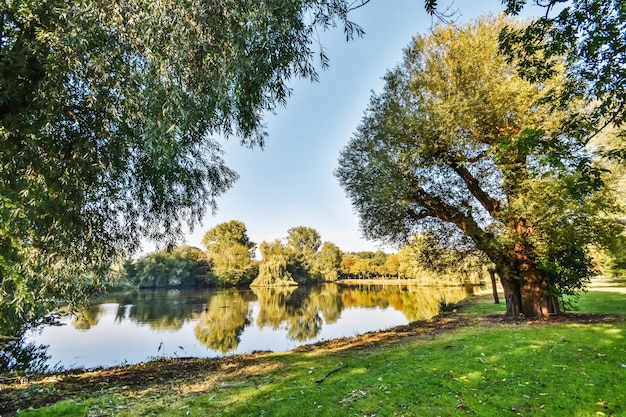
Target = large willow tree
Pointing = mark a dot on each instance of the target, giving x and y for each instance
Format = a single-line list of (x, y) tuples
[(109, 114), (458, 143)]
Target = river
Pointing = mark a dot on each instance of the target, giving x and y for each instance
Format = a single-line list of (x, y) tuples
[(135, 326)]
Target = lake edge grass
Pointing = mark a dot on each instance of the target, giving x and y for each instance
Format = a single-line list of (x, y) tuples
[(478, 364)]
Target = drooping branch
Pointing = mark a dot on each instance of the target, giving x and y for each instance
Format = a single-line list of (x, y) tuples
[(356, 4)]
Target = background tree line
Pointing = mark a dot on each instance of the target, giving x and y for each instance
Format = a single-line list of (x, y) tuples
[(230, 259)]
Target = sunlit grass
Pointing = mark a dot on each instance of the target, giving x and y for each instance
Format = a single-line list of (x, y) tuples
[(562, 370)]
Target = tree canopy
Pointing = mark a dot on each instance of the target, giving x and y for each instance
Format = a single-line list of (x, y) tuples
[(231, 253), (591, 36), (304, 240), (459, 144), (110, 118)]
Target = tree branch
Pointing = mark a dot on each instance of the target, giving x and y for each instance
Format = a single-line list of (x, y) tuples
[(329, 373), (354, 5), (473, 185), (436, 207)]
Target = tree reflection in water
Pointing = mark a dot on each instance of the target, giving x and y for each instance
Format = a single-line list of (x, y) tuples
[(416, 303), (87, 317), (301, 311), (293, 307), (218, 318), (221, 324), (159, 309), (17, 355)]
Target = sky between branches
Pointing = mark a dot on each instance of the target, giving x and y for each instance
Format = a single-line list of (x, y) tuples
[(290, 182)]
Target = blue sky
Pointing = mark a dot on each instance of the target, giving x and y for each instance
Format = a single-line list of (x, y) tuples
[(290, 182)]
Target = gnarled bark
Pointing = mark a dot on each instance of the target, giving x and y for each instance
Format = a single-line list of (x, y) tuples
[(527, 294)]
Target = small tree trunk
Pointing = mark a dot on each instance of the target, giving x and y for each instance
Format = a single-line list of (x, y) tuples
[(492, 274), (512, 296)]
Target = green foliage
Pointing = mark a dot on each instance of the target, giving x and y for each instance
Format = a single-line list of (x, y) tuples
[(305, 240), (591, 37), (231, 253), (461, 146), (109, 117), (232, 232), (281, 266), (328, 261), (302, 246), (274, 272), (180, 267), (424, 258), (298, 261), (446, 307)]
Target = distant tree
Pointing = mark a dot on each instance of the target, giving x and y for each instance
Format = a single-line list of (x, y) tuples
[(365, 264), (182, 266), (391, 266), (231, 253), (328, 261), (272, 249), (428, 260), (460, 145), (422, 254), (232, 232), (281, 266), (305, 240)]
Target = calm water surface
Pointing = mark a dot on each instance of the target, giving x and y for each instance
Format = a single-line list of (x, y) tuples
[(135, 326)]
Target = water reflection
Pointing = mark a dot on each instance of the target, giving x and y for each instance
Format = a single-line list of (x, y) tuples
[(220, 326), (161, 310), (215, 322), (417, 303)]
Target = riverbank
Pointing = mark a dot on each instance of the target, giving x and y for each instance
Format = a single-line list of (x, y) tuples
[(469, 361)]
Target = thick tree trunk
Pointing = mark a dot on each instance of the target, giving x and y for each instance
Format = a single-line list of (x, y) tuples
[(527, 295), (536, 301)]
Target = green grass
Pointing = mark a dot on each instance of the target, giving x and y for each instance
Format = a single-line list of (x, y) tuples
[(600, 301), (560, 370), (61, 409), (556, 369)]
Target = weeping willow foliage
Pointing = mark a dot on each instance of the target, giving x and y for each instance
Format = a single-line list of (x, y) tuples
[(274, 273), (111, 117)]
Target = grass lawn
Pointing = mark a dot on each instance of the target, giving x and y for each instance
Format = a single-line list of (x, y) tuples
[(469, 362)]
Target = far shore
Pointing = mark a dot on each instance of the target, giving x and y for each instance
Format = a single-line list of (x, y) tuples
[(399, 281)]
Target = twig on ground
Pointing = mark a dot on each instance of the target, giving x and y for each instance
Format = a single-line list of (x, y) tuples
[(329, 373)]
